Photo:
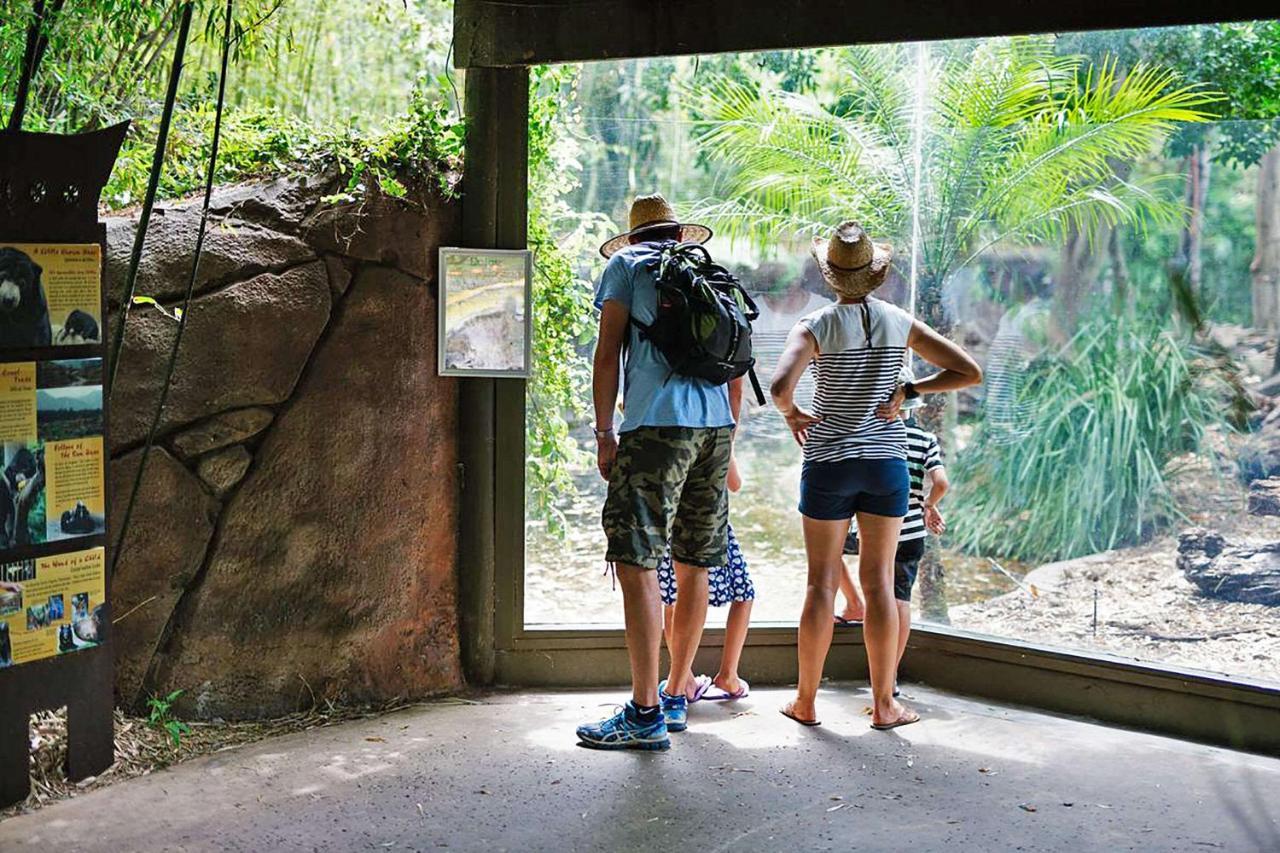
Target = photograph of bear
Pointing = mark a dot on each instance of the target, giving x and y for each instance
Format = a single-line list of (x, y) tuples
[(6, 648), (21, 494), (80, 328), (24, 311), (66, 640)]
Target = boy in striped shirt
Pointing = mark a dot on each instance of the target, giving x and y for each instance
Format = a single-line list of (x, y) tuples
[(924, 464)]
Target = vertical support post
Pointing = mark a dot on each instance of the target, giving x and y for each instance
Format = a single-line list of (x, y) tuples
[(494, 211)]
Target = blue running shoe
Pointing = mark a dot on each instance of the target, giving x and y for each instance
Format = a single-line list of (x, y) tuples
[(675, 709), (625, 731)]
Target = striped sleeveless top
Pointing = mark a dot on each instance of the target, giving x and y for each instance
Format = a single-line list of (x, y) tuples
[(861, 348)]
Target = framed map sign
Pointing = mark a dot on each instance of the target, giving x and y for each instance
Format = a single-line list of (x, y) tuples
[(485, 322)]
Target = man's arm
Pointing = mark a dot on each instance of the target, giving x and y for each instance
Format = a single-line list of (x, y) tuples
[(800, 349), (605, 377), (735, 399)]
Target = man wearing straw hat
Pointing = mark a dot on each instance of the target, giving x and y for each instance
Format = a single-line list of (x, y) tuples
[(855, 453), (666, 463)]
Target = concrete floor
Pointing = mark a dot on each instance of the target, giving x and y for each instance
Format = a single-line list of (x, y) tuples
[(504, 774)]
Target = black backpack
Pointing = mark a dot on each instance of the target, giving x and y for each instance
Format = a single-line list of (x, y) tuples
[(703, 321)]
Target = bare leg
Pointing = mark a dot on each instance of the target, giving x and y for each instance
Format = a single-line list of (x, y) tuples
[(668, 623), (854, 611), (879, 542), (735, 636), (823, 542), (642, 607), (686, 627), (904, 628)]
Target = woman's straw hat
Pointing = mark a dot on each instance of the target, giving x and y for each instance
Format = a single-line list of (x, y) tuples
[(852, 264), (649, 212)]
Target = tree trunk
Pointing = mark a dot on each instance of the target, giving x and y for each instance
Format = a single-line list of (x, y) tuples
[(932, 417), (1122, 291), (1265, 268), (1079, 266), (1198, 167)]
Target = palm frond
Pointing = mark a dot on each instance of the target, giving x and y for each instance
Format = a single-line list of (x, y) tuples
[(793, 159), (1075, 140)]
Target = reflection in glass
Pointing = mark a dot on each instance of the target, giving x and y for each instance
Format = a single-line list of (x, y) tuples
[(1088, 214)]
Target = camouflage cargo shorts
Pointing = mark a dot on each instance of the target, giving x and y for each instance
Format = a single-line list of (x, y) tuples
[(668, 485)]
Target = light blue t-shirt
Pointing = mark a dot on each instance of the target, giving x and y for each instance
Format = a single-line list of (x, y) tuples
[(652, 395)]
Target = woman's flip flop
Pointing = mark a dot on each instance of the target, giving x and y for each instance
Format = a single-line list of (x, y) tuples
[(907, 718), (719, 694), (785, 710), (847, 623), (701, 684)]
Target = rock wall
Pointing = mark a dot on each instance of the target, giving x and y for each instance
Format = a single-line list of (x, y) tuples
[(294, 539)]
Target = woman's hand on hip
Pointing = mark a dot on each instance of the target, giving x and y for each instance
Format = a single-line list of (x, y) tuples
[(799, 421), (891, 408)]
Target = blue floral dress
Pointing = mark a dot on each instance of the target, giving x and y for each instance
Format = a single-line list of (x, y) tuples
[(725, 584)]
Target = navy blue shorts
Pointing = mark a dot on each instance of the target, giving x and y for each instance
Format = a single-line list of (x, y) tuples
[(832, 491)]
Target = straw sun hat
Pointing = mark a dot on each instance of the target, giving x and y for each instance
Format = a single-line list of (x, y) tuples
[(850, 262), (650, 212)]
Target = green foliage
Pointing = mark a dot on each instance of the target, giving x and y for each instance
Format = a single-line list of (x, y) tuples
[(1091, 468), (424, 143), (1015, 143), (293, 105), (562, 312), (108, 59), (160, 717)]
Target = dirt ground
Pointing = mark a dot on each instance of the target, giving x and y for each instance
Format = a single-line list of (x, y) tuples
[(1146, 608)]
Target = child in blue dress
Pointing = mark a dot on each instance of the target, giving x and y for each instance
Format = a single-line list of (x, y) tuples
[(728, 584)]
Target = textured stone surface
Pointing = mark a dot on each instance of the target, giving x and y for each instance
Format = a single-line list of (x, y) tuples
[(1245, 571), (233, 249), (334, 569), (281, 203), (1259, 454), (403, 234), (168, 535), (331, 565), (222, 469), (222, 430), (339, 274), (245, 345), (1264, 497)]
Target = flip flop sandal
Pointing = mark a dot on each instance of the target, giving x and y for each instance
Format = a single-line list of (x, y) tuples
[(719, 694), (905, 720), (785, 711), (701, 684), (847, 623)]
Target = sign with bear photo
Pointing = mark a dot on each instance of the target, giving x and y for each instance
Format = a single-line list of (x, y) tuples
[(51, 452), (52, 488), (50, 294), (51, 605)]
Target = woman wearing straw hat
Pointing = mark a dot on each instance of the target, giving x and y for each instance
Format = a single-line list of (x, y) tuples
[(855, 450)]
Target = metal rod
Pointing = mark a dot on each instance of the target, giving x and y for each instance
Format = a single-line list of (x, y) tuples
[(191, 286), (37, 41), (149, 200)]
